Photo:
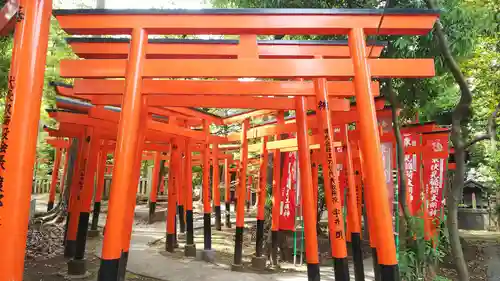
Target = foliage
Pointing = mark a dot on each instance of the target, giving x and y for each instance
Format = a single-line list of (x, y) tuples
[(415, 260), (57, 50)]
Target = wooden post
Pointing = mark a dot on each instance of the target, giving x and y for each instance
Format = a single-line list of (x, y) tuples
[(215, 186), (227, 197), (331, 183), (370, 146), (126, 153), (258, 261), (276, 194), (172, 196), (155, 182), (240, 205), (190, 247), (19, 133), (307, 192), (101, 168)]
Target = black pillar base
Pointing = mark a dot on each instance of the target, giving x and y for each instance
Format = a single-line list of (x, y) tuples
[(122, 266), (152, 209), (357, 257), (189, 228), (95, 215), (182, 222), (108, 270), (313, 272), (228, 214), (77, 267), (81, 236), (238, 246), (218, 218), (259, 239), (170, 246), (190, 250), (389, 272), (259, 263), (274, 247), (50, 206), (93, 233), (70, 248), (341, 268), (207, 231), (376, 266)]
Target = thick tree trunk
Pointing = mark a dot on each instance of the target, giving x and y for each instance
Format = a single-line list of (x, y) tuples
[(454, 198), (404, 228), (459, 117)]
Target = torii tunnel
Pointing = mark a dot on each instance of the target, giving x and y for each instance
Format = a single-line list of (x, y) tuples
[(138, 94)]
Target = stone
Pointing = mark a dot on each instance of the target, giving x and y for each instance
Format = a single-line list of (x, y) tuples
[(259, 263), (190, 250), (208, 255), (237, 267), (93, 233), (77, 267)]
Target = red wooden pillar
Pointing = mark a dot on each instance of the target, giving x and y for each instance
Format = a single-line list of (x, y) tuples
[(310, 233), (181, 190), (20, 131), (227, 197), (370, 146), (76, 186), (240, 204), (172, 195), (155, 182), (215, 186), (258, 262), (126, 153), (132, 194), (331, 183), (101, 169), (276, 193), (86, 190), (190, 247), (353, 217)]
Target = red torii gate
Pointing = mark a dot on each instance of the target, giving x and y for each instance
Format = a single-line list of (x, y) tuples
[(224, 22)]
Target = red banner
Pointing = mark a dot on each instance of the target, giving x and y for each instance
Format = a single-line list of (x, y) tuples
[(411, 143), (435, 155), (288, 185)]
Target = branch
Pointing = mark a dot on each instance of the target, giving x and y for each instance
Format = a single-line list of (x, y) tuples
[(492, 129)]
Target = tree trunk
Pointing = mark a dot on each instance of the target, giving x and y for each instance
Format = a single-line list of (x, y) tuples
[(404, 225), (454, 198), (459, 119)]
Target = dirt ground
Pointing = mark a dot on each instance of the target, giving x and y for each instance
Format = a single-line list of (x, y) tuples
[(223, 244), (476, 256), (54, 269)]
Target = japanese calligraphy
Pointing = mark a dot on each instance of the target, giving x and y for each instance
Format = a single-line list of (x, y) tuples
[(322, 105), (9, 99), (20, 14), (335, 213)]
